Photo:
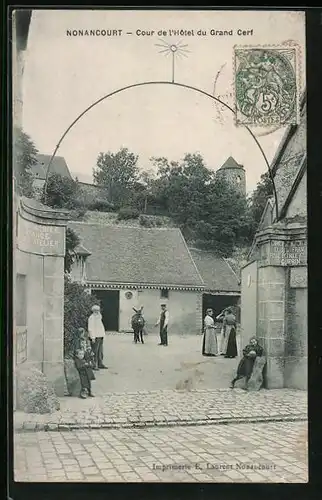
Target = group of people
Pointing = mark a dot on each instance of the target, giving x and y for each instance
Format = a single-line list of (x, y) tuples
[(88, 351), (227, 345), (88, 348)]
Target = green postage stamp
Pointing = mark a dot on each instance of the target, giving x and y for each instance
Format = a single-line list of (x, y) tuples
[(266, 86)]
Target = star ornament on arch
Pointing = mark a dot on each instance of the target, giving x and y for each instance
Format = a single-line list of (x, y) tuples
[(177, 50)]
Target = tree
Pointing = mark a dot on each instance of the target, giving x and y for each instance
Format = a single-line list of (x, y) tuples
[(77, 308), (259, 197), (61, 192), (72, 240), (225, 222), (210, 213), (181, 185), (119, 173), (24, 157)]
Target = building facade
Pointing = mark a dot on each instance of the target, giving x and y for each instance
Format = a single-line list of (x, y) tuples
[(274, 282), (129, 267)]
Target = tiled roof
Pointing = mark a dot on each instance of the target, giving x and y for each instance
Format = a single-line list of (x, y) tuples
[(231, 163), (133, 255), (215, 272), (82, 251), (58, 166)]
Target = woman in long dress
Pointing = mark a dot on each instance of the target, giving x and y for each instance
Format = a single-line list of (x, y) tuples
[(221, 343), (209, 345), (229, 326)]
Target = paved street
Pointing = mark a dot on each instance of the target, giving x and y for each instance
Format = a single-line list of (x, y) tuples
[(170, 407), (267, 452), (166, 415)]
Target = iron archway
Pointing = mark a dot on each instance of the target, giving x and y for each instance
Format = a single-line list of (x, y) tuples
[(181, 85)]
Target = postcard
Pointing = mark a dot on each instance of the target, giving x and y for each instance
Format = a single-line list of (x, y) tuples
[(159, 246)]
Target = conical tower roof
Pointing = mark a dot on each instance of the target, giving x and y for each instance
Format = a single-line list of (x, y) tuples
[(231, 163)]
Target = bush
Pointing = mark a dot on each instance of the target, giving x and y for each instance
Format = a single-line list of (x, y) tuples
[(61, 192), (128, 213), (77, 308), (35, 394), (79, 213), (158, 222), (101, 206), (146, 221)]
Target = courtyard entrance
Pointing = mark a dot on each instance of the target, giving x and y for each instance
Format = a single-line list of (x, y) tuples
[(218, 302), (109, 302)]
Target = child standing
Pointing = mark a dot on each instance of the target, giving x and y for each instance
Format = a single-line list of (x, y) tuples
[(84, 343), (86, 374)]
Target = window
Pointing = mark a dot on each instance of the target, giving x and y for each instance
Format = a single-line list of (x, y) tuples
[(164, 293)]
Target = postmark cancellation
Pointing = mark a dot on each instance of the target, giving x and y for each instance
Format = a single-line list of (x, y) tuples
[(266, 85)]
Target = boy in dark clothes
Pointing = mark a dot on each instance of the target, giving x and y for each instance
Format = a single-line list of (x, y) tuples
[(86, 374)]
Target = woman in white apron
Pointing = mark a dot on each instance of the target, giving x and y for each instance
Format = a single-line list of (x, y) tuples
[(209, 345)]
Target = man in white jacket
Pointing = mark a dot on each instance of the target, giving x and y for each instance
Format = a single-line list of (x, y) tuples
[(96, 333)]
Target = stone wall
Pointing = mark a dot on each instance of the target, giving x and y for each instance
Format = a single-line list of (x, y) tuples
[(290, 163), (296, 331), (91, 193), (271, 326), (39, 291), (298, 205), (249, 287), (282, 304)]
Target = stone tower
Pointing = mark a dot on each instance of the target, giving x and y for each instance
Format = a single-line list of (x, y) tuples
[(234, 173)]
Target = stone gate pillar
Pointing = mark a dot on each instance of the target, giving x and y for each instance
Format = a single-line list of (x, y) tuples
[(39, 290), (282, 259)]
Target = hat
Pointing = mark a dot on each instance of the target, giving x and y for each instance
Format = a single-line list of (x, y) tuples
[(96, 308)]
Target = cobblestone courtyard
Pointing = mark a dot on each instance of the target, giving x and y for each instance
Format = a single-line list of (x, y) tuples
[(159, 415), (267, 452)]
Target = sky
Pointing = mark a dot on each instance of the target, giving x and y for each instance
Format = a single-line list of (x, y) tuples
[(64, 74)]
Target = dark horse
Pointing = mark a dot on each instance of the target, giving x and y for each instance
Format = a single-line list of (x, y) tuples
[(138, 325)]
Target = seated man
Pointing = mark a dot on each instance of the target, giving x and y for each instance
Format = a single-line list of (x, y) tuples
[(246, 364)]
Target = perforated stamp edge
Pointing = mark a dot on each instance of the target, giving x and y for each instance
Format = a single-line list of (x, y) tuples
[(298, 73)]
